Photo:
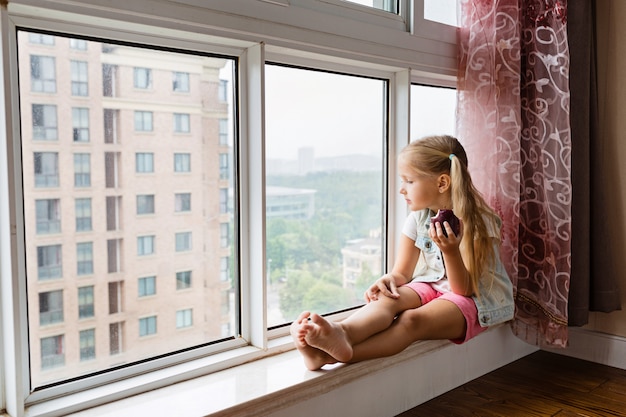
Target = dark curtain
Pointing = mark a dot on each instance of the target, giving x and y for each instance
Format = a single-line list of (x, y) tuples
[(593, 285)]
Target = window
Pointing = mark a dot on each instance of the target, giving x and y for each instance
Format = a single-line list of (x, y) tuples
[(311, 165), (145, 245), (182, 162), (78, 44), (145, 204), (433, 110), (146, 286), (87, 340), (80, 86), (41, 39), (184, 318), (143, 78), (49, 262), (52, 352), (82, 170), (183, 241), (80, 123), (46, 169), (86, 302), (83, 214), (42, 74), (143, 121), (183, 280), (48, 216), (147, 326), (45, 122), (110, 126), (180, 82), (391, 6), (51, 307), (181, 123), (84, 258), (182, 202), (132, 113), (144, 162)]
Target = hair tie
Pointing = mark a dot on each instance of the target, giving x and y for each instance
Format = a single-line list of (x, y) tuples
[(451, 156)]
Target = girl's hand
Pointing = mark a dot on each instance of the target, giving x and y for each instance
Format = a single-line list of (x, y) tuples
[(449, 243), (385, 285)]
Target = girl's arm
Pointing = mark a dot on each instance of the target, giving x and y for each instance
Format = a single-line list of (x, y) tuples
[(401, 273), (456, 271)]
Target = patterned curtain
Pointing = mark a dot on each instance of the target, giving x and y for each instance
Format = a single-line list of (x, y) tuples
[(513, 119)]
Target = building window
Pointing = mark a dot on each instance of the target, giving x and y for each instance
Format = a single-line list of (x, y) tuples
[(223, 200), (182, 162), (48, 216), (184, 318), (143, 121), (183, 280), (45, 122), (114, 255), (143, 78), (180, 82), (223, 132), (181, 123), (42, 74), (147, 326), (49, 262), (110, 126), (224, 235), (113, 208), (79, 77), (111, 169), (80, 124), (182, 202), (87, 340), (82, 170), (183, 241), (86, 307), (116, 332), (144, 162), (224, 168), (146, 286), (224, 269), (84, 258), (41, 39), (145, 245), (78, 44), (52, 352), (46, 169), (109, 80), (83, 214), (223, 91), (145, 204), (116, 297), (50, 307)]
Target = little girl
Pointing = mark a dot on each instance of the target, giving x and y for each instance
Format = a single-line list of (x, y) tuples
[(442, 286)]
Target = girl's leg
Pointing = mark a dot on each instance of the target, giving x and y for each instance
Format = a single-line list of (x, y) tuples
[(337, 339), (439, 319)]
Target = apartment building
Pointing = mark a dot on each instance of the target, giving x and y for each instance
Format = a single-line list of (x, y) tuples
[(126, 157)]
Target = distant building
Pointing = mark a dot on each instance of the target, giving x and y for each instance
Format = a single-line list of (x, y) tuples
[(290, 203), (359, 256)]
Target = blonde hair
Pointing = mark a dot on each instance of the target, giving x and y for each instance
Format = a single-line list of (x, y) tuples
[(436, 155)]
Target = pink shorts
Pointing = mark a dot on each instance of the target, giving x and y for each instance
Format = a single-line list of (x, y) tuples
[(465, 304)]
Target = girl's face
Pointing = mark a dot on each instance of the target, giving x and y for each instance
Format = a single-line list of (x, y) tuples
[(421, 191)]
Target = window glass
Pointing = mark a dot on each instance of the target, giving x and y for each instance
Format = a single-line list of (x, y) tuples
[(391, 6), (99, 198), (324, 207), (433, 111), (442, 11)]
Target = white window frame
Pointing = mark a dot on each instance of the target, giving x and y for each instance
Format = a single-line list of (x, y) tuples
[(326, 34)]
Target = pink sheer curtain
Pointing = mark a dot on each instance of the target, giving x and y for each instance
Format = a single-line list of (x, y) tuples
[(513, 119)]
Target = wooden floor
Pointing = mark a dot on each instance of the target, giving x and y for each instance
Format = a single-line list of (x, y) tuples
[(541, 384)]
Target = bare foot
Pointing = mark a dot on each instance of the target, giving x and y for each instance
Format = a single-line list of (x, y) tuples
[(314, 358), (329, 337)]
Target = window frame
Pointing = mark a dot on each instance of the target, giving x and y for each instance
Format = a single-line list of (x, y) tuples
[(383, 60)]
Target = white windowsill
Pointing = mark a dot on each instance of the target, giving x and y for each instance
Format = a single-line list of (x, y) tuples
[(270, 386)]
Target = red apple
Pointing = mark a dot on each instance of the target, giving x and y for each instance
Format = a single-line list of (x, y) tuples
[(447, 215)]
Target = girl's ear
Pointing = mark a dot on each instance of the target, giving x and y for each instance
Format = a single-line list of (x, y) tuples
[(443, 183)]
